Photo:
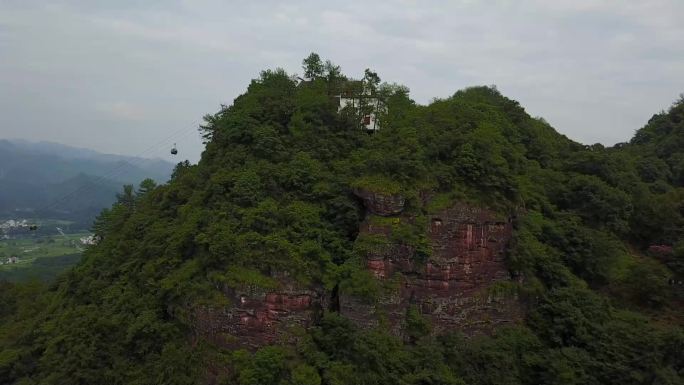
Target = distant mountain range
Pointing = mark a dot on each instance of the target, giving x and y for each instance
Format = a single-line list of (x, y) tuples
[(46, 179)]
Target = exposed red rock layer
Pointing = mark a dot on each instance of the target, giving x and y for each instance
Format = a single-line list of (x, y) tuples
[(661, 251), (453, 288), (256, 317)]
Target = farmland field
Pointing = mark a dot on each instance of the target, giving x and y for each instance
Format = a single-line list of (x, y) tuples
[(41, 257)]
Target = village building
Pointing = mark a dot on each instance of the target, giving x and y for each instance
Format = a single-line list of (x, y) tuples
[(368, 105), (359, 98)]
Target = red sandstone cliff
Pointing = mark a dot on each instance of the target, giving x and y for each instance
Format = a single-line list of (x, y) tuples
[(257, 317), (453, 288)]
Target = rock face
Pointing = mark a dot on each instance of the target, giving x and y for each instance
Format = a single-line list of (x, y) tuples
[(661, 251), (454, 288), (257, 317), (381, 204)]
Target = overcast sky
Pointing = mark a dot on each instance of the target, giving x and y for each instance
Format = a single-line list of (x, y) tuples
[(132, 77)]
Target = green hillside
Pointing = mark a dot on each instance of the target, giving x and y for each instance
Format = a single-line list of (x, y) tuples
[(273, 195)]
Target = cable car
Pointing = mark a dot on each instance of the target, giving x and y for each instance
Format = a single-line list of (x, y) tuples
[(174, 151)]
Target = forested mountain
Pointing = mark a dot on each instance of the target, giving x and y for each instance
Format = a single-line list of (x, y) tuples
[(37, 176), (464, 242)]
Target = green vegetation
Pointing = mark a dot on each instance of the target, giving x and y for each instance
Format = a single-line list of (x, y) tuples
[(41, 257), (45, 269), (377, 184), (273, 194)]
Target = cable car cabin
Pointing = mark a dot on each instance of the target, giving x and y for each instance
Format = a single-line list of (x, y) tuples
[(174, 151), (33, 227)]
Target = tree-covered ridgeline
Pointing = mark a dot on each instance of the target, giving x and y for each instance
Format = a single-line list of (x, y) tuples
[(273, 192)]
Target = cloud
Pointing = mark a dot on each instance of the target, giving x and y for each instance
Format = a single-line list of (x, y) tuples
[(122, 110), (596, 70)]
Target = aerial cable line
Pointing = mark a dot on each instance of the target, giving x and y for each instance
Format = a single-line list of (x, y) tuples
[(116, 171), (93, 184), (141, 157), (122, 169)]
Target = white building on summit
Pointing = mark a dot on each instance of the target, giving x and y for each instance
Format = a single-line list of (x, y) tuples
[(369, 107)]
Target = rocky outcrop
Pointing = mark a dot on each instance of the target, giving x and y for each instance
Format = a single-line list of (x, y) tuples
[(380, 203), (256, 317), (455, 288), (661, 251)]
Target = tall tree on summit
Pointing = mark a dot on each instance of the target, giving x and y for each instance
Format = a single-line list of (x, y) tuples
[(371, 80), (333, 75), (313, 66)]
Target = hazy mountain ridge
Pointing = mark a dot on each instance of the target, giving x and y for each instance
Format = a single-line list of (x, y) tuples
[(58, 178), (158, 165)]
